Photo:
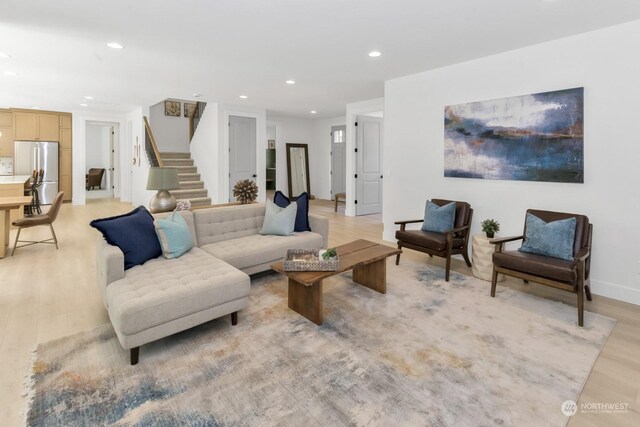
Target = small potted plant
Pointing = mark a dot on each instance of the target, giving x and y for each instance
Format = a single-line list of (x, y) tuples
[(490, 227), (329, 254)]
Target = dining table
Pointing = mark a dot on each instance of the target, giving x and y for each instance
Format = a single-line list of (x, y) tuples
[(6, 205)]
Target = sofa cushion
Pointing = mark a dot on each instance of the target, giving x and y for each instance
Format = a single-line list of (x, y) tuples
[(188, 218), (133, 233), (554, 239), (258, 249), (162, 290), (174, 235), (537, 265), (439, 218), (429, 239), (302, 214), (225, 223), (279, 221)]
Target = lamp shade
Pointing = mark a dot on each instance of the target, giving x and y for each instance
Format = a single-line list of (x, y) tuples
[(163, 179)]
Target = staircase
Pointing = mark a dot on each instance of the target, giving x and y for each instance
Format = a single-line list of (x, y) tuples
[(191, 187)]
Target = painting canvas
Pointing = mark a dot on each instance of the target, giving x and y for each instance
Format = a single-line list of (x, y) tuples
[(536, 137)]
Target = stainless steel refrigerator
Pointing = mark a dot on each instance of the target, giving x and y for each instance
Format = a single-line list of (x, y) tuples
[(32, 155)]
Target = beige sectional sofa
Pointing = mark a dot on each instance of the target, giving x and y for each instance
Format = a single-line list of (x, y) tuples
[(165, 296)]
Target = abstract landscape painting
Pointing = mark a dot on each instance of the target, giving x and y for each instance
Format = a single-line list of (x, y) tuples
[(536, 137)]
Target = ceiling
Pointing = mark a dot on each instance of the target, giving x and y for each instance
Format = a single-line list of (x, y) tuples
[(226, 48)]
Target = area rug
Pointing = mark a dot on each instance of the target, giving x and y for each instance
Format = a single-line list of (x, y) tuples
[(426, 353)]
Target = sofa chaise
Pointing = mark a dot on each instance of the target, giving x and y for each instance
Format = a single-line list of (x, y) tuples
[(164, 296)]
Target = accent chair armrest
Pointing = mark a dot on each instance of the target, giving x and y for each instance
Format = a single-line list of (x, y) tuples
[(109, 265), (403, 224), (456, 230), (582, 254), (320, 224), (501, 241)]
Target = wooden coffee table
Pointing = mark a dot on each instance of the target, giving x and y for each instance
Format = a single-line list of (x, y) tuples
[(366, 259)]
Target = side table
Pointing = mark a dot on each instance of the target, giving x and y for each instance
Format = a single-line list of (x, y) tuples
[(482, 252)]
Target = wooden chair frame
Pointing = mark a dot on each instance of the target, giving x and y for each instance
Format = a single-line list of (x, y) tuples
[(580, 288), (464, 250)]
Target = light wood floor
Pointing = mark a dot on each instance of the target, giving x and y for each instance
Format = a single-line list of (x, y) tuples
[(45, 294)]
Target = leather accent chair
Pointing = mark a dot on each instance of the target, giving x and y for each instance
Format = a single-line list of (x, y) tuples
[(451, 242), (572, 276), (36, 220), (94, 178)]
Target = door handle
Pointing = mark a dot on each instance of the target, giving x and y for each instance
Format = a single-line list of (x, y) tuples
[(380, 176), (254, 175)]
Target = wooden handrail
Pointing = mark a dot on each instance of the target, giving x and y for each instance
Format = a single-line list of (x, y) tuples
[(156, 152)]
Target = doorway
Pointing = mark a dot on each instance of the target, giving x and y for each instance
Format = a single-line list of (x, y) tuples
[(100, 159), (242, 150), (338, 160), (369, 164)]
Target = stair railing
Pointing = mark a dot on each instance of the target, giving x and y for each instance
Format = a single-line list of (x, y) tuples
[(150, 145)]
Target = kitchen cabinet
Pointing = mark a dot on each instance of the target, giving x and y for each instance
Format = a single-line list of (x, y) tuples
[(36, 126), (66, 157), (64, 182), (6, 133)]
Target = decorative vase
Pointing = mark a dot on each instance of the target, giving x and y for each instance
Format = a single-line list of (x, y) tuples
[(490, 235)]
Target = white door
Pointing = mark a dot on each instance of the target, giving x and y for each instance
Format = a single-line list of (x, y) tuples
[(368, 197), (338, 160), (242, 150)]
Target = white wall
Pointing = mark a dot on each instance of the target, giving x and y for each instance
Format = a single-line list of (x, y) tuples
[(138, 173), (606, 63), (205, 152), (171, 133), (98, 139)]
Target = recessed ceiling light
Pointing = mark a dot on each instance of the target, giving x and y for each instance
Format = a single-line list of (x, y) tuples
[(88, 97), (374, 54), (35, 108), (243, 96), (115, 45), (290, 82), (197, 95), (4, 55), (313, 111), (84, 105), (9, 73)]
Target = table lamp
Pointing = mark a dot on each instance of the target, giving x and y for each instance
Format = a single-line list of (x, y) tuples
[(162, 179)]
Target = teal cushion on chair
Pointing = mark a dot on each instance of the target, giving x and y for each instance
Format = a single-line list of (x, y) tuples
[(439, 218), (279, 221), (174, 235), (553, 239)]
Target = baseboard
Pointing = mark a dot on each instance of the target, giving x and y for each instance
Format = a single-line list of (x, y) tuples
[(615, 291)]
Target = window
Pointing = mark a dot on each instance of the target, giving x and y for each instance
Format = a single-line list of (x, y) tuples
[(338, 137)]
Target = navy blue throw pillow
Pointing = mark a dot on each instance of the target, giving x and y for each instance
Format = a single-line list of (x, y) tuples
[(133, 233), (302, 216)]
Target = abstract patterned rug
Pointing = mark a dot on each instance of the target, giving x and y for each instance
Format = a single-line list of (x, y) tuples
[(426, 353)]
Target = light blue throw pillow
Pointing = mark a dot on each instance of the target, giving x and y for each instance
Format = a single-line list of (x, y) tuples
[(439, 218), (174, 235), (279, 221), (554, 239)]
